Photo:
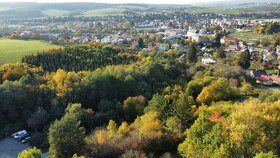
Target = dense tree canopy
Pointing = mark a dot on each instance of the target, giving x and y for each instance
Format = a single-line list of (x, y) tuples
[(233, 130), (138, 104), (30, 153)]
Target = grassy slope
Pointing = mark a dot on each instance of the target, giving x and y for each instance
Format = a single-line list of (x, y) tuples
[(4, 8), (250, 36), (105, 12), (54, 12), (212, 10), (13, 50)]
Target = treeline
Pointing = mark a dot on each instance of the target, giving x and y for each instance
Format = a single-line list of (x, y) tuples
[(268, 28), (80, 58)]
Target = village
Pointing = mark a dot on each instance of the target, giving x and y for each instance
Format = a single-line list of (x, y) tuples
[(173, 32)]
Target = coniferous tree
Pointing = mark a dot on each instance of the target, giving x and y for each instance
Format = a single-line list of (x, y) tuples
[(192, 53), (244, 59), (66, 137)]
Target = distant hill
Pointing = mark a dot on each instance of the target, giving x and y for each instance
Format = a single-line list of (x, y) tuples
[(35, 10)]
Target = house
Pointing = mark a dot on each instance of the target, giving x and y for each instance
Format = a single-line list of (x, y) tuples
[(208, 61), (264, 79), (197, 38), (196, 35), (229, 39), (232, 48)]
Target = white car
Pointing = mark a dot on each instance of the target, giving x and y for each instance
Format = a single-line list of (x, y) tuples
[(20, 133), (13, 135)]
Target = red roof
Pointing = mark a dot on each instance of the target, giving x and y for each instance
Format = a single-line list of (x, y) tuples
[(173, 33), (230, 39), (264, 78), (232, 46)]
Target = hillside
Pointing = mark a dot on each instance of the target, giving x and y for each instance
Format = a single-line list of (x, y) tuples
[(35, 10)]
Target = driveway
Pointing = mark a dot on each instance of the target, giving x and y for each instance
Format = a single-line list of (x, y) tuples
[(10, 148)]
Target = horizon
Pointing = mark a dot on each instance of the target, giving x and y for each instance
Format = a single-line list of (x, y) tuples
[(113, 1)]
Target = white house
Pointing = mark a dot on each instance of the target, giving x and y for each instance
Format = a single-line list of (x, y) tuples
[(208, 61), (195, 35)]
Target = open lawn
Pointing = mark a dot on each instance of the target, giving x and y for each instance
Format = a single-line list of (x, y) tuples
[(250, 36), (12, 51), (105, 12)]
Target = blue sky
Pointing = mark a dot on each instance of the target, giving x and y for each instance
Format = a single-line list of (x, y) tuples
[(116, 1)]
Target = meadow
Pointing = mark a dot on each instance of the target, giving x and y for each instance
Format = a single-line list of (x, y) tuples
[(12, 51), (250, 36), (199, 10), (55, 13), (105, 12)]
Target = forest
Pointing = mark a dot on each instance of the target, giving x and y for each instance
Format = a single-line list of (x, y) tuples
[(96, 100)]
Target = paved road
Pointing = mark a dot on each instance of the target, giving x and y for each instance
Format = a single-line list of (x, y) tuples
[(10, 148), (45, 155)]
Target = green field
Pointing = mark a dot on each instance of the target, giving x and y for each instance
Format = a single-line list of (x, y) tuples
[(4, 8), (212, 10), (250, 36), (54, 12), (12, 51), (105, 12)]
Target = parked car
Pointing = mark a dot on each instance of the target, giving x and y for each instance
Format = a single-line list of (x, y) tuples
[(13, 135), (23, 137), (20, 133), (26, 139)]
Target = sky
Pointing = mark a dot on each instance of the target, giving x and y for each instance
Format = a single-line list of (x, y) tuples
[(116, 1)]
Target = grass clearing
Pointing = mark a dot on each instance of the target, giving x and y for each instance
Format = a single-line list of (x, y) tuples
[(105, 12), (12, 51), (250, 36)]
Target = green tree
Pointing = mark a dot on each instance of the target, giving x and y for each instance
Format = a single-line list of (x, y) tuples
[(243, 59), (216, 91), (228, 130), (221, 53), (192, 53), (247, 88), (140, 42), (66, 137), (30, 153), (133, 106), (266, 155), (112, 127)]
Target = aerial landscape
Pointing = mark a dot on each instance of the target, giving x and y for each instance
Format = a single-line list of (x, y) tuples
[(140, 79)]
